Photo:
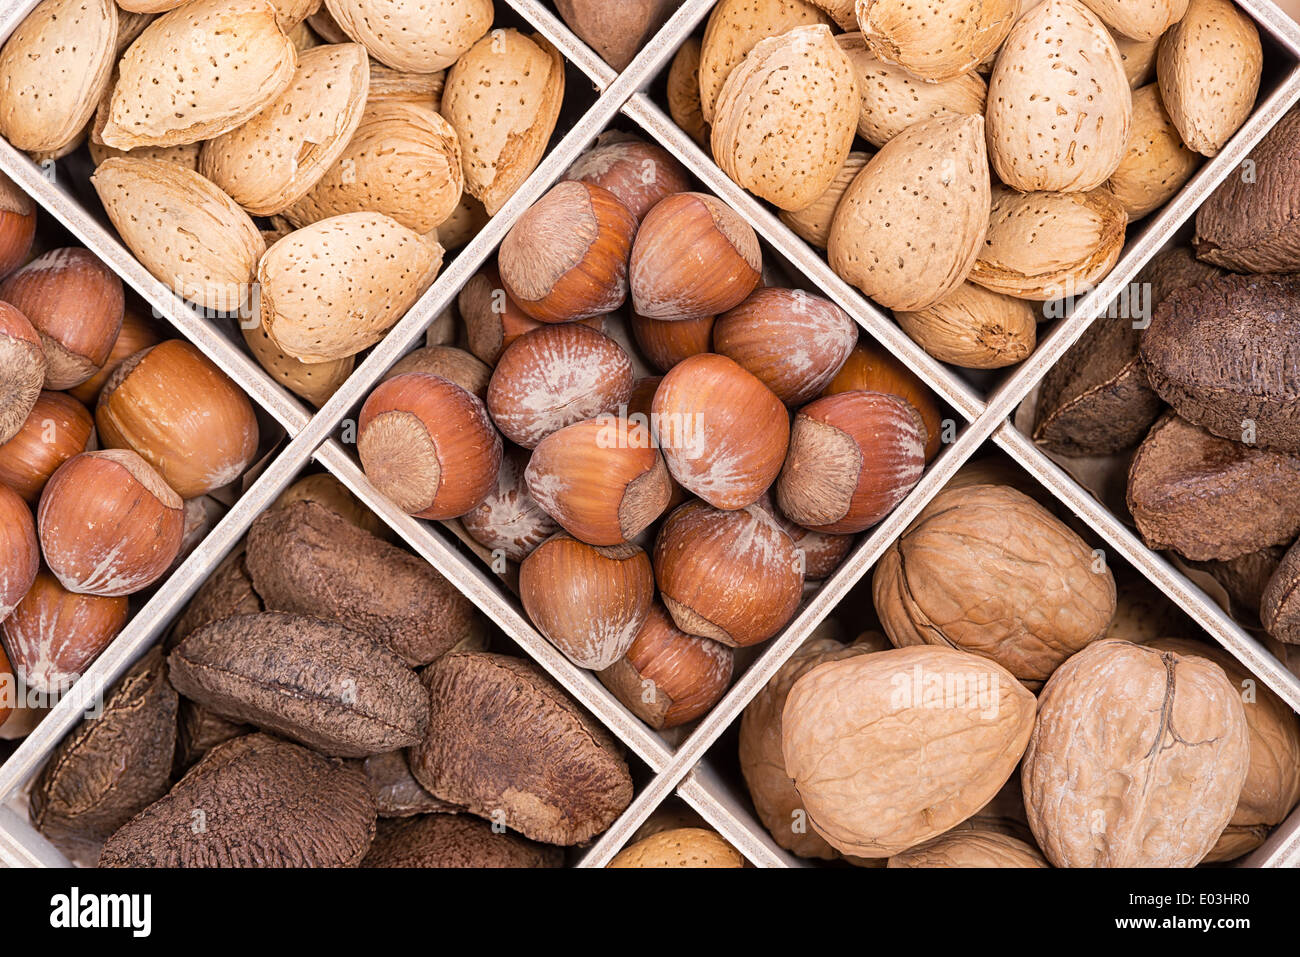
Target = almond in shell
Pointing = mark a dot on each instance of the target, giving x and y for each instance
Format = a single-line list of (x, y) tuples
[(404, 161), (367, 270), (911, 225), (197, 72), (419, 36), (974, 328), (683, 92), (813, 222), (1156, 164), (1139, 59), (938, 39), (313, 381), (185, 230), (1059, 101), (1139, 21), (272, 160), (1049, 245), (735, 27), (186, 155), (1208, 67), (53, 69), (794, 94), (503, 98)]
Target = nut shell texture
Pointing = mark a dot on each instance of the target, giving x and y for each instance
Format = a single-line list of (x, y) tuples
[(939, 39), (454, 840), (973, 848), (417, 36), (679, 847)]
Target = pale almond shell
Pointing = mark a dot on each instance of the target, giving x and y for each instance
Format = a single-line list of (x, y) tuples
[(937, 39), (1144, 21), (1156, 164), (911, 225), (404, 161), (313, 381), (186, 155), (272, 160), (843, 12), (1048, 245), (793, 95), (197, 72), (974, 328), (813, 222), (335, 287), (422, 89), (418, 36), (53, 69), (1139, 59), (503, 99), (683, 92), (185, 230)]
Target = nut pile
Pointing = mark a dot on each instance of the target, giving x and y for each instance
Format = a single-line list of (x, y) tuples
[(964, 164), (659, 521), (112, 445), (314, 642), (305, 174), (1045, 741)]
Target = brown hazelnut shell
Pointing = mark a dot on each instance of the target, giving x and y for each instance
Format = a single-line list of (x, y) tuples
[(639, 174), (57, 428), (22, 370), (666, 342), (509, 520), (17, 225), (20, 554), (136, 335), (872, 368)]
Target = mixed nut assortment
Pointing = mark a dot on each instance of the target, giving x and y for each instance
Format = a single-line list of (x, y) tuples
[(657, 440)]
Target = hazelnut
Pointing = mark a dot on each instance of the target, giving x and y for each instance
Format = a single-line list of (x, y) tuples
[(603, 479), (668, 677), (666, 342), (108, 523), (57, 428), (694, 256), (792, 341), (555, 376), (733, 576), (428, 445), (136, 335), (447, 362), (566, 257), (17, 225), (822, 552), (873, 368), (722, 432), (54, 634), (172, 406), (76, 304), (639, 174), (492, 319), (22, 370), (641, 401), (509, 520), (588, 601), (20, 555), (853, 457)]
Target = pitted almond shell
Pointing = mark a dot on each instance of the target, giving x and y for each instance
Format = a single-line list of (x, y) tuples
[(911, 225), (272, 160), (503, 98), (843, 12), (974, 328), (1208, 67), (1139, 59), (53, 69), (735, 27), (684, 92), (1059, 104), (813, 222), (793, 95), (404, 161), (185, 230), (129, 27), (197, 72), (335, 287), (1156, 164), (149, 6), (186, 155), (936, 39), (418, 36), (1048, 245), (420, 89), (1144, 21), (291, 13), (314, 381), (892, 99)]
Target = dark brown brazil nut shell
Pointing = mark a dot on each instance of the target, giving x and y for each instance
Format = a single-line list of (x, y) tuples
[(397, 793), (305, 558), (455, 840), (228, 591), (507, 744), (1279, 606), (256, 801), (198, 731), (312, 680)]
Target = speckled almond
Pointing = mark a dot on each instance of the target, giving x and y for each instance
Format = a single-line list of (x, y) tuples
[(1156, 164), (813, 222), (936, 39), (974, 328), (503, 98), (793, 96), (679, 847), (734, 28), (421, 89), (197, 72), (404, 161), (1139, 59), (911, 225), (892, 99), (1209, 67), (313, 381), (843, 12), (186, 155), (1045, 246), (53, 70), (507, 744), (367, 270), (1139, 19), (420, 36), (1060, 107), (683, 92), (185, 230), (272, 160)]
